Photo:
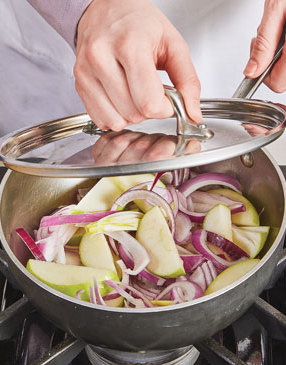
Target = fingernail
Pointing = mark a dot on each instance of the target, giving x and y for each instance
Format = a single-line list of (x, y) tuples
[(250, 68)]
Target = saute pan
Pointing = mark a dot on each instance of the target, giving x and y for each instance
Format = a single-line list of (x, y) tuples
[(25, 198)]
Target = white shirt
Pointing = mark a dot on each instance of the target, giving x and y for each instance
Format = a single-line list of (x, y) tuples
[(36, 63)]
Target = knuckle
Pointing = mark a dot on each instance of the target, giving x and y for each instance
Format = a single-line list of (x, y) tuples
[(149, 108), (94, 55), (261, 44)]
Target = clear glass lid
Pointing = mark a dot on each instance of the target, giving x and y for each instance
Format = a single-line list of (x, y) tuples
[(74, 147)]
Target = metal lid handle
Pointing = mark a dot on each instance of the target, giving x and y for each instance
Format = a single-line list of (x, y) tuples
[(184, 126)]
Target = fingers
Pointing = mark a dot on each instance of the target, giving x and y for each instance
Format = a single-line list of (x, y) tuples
[(96, 101), (264, 45), (183, 75), (276, 80), (143, 80)]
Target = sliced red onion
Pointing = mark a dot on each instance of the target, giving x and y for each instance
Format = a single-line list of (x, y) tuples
[(192, 261), (163, 192), (98, 296), (79, 294), (182, 200), (127, 259), (151, 197), (112, 245), (125, 276), (167, 177), (231, 249), (55, 220), (111, 296), (147, 293), (30, 243), (175, 198), (183, 251), (210, 179), (194, 217), (204, 274), (190, 204), (186, 175), (199, 240), (155, 279), (190, 290), (137, 251), (183, 228), (203, 202), (92, 296), (52, 246), (175, 181), (198, 277), (212, 269), (157, 177), (121, 288)]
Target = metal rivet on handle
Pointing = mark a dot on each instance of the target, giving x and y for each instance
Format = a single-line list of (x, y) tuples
[(247, 159)]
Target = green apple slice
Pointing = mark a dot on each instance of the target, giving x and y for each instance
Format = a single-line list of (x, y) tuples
[(249, 217), (250, 239), (154, 234), (101, 197), (69, 279), (76, 238), (94, 252), (231, 274), (117, 302), (218, 220)]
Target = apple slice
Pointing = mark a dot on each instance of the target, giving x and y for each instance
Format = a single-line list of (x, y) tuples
[(231, 274), (94, 252), (117, 302), (69, 279), (218, 220), (154, 234), (101, 197), (76, 238), (250, 239), (249, 217)]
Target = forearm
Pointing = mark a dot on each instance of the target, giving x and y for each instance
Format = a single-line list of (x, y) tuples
[(62, 15)]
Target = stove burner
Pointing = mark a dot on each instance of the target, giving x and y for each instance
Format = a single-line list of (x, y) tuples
[(183, 356)]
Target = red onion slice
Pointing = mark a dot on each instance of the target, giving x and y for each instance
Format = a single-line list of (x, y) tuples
[(146, 274), (192, 261), (30, 243), (199, 241), (233, 251), (157, 177), (163, 192), (121, 288), (183, 228), (203, 202), (209, 179), (175, 198), (151, 197), (56, 220), (137, 251), (190, 290)]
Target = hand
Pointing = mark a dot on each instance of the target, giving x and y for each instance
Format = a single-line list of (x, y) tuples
[(120, 46), (264, 45)]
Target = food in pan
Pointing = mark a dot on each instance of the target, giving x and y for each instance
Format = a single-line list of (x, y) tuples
[(145, 240)]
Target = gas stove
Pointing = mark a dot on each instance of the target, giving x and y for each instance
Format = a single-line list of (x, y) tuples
[(257, 338)]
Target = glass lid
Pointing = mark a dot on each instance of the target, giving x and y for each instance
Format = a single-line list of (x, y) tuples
[(74, 147)]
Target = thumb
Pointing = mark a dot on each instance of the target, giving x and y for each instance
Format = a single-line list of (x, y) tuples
[(264, 45)]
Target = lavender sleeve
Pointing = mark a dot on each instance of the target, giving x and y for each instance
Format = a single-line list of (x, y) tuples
[(62, 15)]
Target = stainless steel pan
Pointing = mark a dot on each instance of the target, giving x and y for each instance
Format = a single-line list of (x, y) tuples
[(24, 199)]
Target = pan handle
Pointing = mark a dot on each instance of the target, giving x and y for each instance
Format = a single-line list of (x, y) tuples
[(247, 87)]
